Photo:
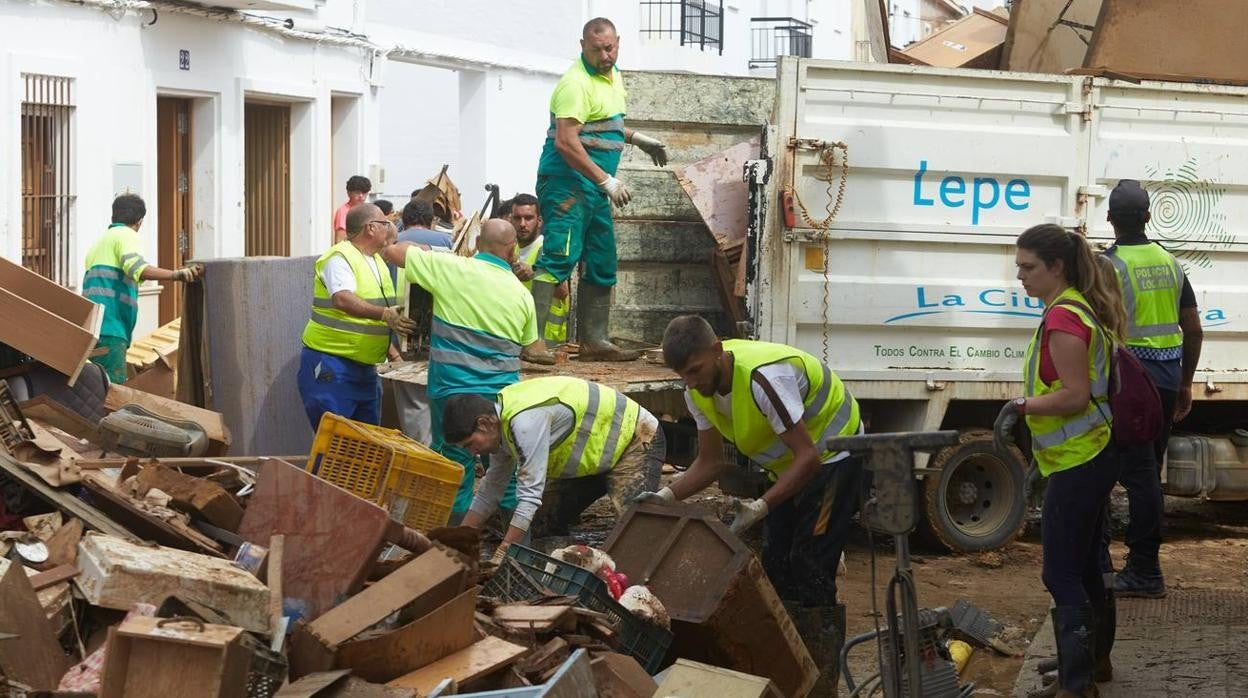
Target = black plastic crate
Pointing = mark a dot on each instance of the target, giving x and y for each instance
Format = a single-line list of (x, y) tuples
[(646, 642), (511, 584)]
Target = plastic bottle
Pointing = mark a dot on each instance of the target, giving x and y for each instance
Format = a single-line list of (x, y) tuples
[(960, 652)]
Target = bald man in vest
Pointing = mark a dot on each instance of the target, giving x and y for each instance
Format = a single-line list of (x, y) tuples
[(568, 442), (778, 406), (576, 187), (354, 309), (483, 325)]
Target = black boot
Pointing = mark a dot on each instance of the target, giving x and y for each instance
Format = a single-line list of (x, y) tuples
[(1073, 630), (1105, 624), (1141, 580), (822, 629)]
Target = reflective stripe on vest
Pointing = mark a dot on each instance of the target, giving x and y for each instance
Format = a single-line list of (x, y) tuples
[(473, 349), (557, 319), (607, 134), (604, 422), (336, 332), (1152, 286), (829, 409), (1063, 442)]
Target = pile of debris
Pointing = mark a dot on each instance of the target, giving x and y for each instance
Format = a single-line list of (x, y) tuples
[(1109, 38)]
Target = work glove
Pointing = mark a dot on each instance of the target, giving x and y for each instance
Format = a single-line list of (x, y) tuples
[(615, 190), (500, 553), (188, 274), (397, 321), (655, 148), (664, 497), (746, 515), (1003, 428)]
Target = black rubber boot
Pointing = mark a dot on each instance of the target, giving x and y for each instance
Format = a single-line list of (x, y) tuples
[(1072, 627), (1105, 625), (822, 629), (543, 294), (593, 314)]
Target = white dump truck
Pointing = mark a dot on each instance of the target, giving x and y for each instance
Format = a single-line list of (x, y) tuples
[(908, 290)]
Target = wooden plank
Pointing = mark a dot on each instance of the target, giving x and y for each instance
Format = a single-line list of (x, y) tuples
[(49, 295), (468, 664), (332, 536), (59, 344), (193, 495), (49, 412), (212, 423), (171, 533), (63, 545), (153, 657), (536, 618), (620, 676), (273, 577), (423, 641), (34, 657), (696, 680), (311, 685), (56, 575), (62, 500)]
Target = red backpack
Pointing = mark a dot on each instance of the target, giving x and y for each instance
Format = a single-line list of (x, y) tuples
[(1133, 398)]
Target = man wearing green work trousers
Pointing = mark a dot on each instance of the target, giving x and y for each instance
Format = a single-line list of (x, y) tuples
[(115, 266), (576, 186)]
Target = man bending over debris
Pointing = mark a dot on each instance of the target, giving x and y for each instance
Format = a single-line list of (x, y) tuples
[(353, 312), (570, 441), (115, 267), (778, 406)]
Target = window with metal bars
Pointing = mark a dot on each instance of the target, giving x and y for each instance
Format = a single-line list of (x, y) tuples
[(778, 36), (47, 194), (697, 23)]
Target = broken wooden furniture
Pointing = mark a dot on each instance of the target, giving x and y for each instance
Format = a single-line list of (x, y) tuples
[(29, 651), (695, 680), (724, 610), (159, 657), (46, 321)]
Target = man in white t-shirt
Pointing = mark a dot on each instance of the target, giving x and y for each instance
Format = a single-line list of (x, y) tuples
[(778, 406), (354, 310)]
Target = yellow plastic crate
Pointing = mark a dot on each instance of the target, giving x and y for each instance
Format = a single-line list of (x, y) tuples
[(415, 484)]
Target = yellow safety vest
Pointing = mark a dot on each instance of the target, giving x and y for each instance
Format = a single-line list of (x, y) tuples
[(1152, 284), (1068, 441), (830, 409), (334, 332), (557, 319), (604, 423)]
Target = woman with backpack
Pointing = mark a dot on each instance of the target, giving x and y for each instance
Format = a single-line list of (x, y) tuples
[(1066, 377)]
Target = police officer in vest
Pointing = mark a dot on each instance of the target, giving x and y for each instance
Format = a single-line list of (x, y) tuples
[(778, 406), (568, 440), (353, 313), (483, 322), (1163, 331), (576, 187)]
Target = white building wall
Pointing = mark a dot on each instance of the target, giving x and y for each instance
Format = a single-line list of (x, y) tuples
[(121, 64)]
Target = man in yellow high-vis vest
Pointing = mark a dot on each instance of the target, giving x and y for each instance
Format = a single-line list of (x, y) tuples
[(569, 442), (353, 312), (778, 406), (1164, 333), (527, 221)]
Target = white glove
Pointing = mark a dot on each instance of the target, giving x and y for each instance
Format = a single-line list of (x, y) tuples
[(500, 553), (746, 515), (654, 147), (663, 497), (615, 190)]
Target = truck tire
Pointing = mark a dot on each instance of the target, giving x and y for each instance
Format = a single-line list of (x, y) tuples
[(975, 501)]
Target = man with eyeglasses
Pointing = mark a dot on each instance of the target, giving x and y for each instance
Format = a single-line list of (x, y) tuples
[(354, 309)]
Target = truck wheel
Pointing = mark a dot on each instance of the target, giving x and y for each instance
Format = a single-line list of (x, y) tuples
[(976, 500)]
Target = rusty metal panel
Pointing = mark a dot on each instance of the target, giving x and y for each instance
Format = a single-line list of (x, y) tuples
[(1048, 36), (724, 610), (717, 189)]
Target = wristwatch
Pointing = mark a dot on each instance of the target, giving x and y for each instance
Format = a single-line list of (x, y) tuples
[(1020, 405)]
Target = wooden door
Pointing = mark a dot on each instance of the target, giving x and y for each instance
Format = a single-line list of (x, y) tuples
[(267, 164), (173, 196)]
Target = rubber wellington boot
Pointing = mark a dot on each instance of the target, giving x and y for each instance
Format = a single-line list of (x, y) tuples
[(822, 629), (593, 314), (1105, 630), (543, 294), (1073, 630)]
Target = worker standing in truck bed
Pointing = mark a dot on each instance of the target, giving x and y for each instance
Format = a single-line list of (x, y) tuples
[(778, 406), (576, 186)]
